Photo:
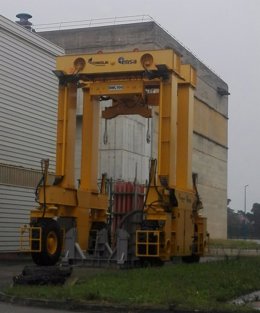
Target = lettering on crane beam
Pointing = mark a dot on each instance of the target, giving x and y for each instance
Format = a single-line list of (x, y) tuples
[(97, 63), (115, 87), (122, 60)]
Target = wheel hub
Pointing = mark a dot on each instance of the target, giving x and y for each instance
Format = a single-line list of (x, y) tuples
[(52, 243)]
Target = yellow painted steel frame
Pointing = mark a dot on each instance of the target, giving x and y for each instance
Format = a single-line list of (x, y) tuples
[(126, 76), (86, 204), (148, 243), (28, 242)]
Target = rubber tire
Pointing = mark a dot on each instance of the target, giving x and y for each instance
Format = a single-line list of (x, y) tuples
[(44, 257), (151, 262), (191, 258)]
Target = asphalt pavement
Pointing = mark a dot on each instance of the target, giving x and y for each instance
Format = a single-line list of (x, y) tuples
[(12, 308), (9, 269)]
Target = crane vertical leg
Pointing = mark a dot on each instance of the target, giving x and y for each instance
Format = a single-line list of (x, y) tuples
[(90, 143), (168, 130), (66, 135), (184, 137), (91, 205)]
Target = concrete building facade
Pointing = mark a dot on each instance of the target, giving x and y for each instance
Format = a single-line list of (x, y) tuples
[(127, 153), (28, 105)]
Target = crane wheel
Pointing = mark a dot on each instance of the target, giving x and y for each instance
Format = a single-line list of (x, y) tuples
[(51, 242), (151, 262), (194, 258)]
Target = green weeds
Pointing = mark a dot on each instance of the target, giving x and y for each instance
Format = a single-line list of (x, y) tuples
[(206, 286), (233, 244)]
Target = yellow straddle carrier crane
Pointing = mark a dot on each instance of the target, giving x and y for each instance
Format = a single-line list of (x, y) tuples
[(73, 221)]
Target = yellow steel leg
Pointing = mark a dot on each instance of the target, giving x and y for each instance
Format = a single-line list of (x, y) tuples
[(83, 227), (168, 130), (184, 137), (66, 131), (90, 142)]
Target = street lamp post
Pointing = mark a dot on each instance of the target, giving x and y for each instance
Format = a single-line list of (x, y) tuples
[(245, 188)]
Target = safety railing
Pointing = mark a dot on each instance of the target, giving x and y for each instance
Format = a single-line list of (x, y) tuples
[(116, 20)]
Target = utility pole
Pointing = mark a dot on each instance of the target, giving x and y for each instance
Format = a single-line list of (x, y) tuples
[(245, 188)]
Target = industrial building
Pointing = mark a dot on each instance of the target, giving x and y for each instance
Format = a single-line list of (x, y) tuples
[(28, 102), (127, 152)]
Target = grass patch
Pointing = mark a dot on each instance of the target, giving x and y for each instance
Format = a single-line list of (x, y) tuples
[(206, 286), (233, 244)]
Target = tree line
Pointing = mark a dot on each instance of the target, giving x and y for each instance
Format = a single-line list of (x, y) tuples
[(244, 225)]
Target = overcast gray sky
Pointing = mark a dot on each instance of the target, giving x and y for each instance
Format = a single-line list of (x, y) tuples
[(224, 34)]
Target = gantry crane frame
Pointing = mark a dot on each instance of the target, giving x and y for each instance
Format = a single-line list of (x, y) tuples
[(135, 81)]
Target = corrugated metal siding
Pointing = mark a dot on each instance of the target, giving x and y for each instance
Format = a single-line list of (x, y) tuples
[(16, 176), (20, 176), (124, 165), (126, 148), (28, 98), (28, 106), (15, 205)]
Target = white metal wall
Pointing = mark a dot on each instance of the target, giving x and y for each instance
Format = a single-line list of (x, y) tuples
[(126, 154), (28, 97), (15, 203), (28, 104)]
